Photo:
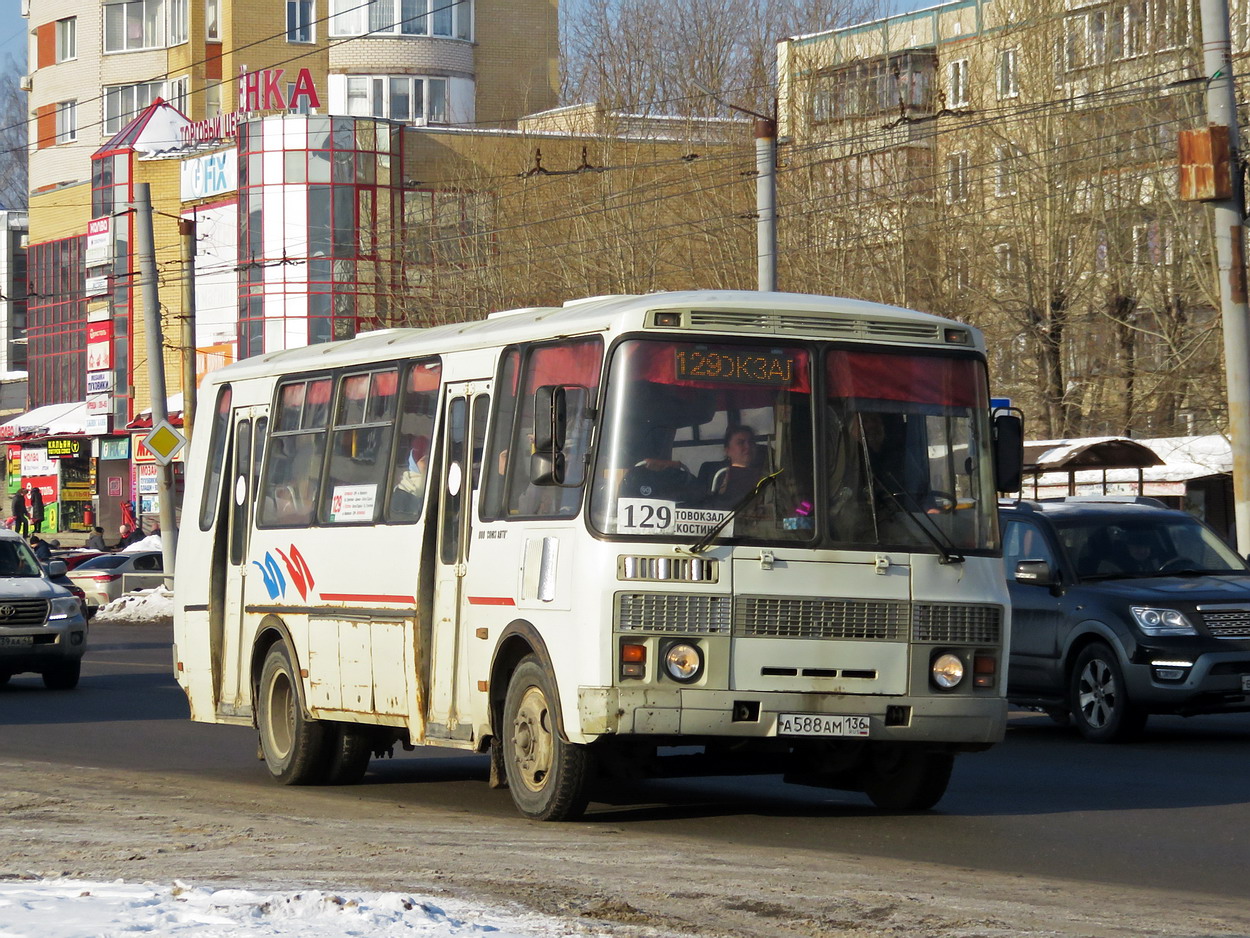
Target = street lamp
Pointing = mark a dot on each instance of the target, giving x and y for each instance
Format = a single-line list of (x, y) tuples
[(765, 190)]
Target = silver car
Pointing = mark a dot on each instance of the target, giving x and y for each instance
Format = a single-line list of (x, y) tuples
[(101, 577), (42, 627)]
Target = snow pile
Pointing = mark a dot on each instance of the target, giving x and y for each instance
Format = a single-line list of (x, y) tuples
[(151, 542), (63, 908), (153, 605)]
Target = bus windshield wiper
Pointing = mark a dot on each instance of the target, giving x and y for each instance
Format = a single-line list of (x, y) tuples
[(935, 535), (707, 539)]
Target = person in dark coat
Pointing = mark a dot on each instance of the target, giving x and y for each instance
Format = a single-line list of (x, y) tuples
[(128, 536), (96, 541), (21, 522), (42, 549), (34, 506)]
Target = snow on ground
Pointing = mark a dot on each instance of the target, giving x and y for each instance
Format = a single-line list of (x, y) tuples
[(153, 605), (68, 908)]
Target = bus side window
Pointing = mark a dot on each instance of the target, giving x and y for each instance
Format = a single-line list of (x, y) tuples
[(492, 502), (292, 474), (414, 432), (216, 459), (360, 452)]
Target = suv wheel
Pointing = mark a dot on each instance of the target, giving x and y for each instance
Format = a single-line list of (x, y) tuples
[(1101, 708)]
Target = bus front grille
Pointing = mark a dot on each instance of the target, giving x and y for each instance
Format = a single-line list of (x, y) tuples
[(777, 617), (957, 623), (672, 612)]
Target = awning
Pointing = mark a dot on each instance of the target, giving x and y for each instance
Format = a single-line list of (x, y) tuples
[(48, 420)]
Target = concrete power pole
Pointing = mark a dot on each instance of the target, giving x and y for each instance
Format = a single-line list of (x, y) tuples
[(1228, 216), (766, 202), (145, 247)]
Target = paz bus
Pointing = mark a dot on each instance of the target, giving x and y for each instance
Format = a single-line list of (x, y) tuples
[(682, 533)]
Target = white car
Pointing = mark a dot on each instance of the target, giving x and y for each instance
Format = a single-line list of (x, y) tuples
[(101, 577), (42, 628)]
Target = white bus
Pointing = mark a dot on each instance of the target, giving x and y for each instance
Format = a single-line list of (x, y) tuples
[(691, 532)]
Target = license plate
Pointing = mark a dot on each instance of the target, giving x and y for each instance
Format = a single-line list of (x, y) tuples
[(1245, 683), (821, 724), (17, 640)]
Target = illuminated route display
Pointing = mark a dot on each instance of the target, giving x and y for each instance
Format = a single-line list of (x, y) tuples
[(774, 367)]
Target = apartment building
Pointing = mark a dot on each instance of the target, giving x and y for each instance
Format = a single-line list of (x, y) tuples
[(1015, 165)]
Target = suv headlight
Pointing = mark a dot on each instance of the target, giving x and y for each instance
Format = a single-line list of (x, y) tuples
[(63, 607), (1154, 621)]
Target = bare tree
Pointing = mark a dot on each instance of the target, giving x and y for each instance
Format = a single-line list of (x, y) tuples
[(13, 118)]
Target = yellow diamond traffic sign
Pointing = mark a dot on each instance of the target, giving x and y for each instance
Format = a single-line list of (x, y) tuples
[(164, 442)]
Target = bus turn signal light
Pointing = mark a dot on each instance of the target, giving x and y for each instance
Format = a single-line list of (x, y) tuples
[(633, 660), (983, 670)]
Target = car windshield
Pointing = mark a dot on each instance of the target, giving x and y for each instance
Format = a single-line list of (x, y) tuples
[(16, 559), (1160, 544), (107, 562)]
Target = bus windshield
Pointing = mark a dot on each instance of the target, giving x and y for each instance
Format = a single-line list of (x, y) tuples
[(698, 436)]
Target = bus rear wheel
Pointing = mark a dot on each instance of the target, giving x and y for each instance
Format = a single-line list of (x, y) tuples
[(347, 755), (548, 776), (901, 778), (295, 747)]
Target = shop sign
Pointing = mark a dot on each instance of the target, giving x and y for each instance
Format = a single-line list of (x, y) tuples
[(35, 462), (115, 487), (263, 90), (206, 176), (76, 493), (115, 449), (99, 403), (97, 286), (101, 312), (99, 248), (47, 485), (99, 382), (148, 479), (99, 346), (97, 424), (64, 449)]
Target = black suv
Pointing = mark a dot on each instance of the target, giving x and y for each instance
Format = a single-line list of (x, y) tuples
[(1121, 609)]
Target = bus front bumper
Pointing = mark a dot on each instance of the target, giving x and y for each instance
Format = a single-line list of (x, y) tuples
[(685, 712)]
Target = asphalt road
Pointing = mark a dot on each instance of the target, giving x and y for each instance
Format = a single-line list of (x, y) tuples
[(1169, 812)]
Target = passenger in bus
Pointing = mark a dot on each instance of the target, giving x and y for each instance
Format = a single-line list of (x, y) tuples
[(728, 481), (410, 489)]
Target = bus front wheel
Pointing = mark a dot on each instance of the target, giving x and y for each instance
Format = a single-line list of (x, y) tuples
[(548, 777), (294, 747), (901, 778)]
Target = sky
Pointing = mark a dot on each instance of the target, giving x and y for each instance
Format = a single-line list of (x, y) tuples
[(69, 908)]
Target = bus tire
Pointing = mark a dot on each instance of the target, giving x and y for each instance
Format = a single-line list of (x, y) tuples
[(348, 750), (901, 778), (294, 746), (548, 777)]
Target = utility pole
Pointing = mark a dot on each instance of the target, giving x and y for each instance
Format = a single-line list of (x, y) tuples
[(1228, 215), (145, 246), (765, 191), (186, 233)]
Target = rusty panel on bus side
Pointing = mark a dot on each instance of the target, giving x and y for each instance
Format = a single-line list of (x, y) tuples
[(360, 666)]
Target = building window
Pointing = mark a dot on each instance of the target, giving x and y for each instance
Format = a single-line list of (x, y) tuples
[(67, 39), (957, 177), (67, 122), (177, 22), (123, 102), (299, 21), (1006, 165), (402, 17), (957, 83), (133, 24), (212, 98), (398, 97), (176, 92), (212, 20), (1007, 85)]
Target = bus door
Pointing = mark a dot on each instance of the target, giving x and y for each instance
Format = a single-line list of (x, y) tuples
[(464, 432), (249, 429)]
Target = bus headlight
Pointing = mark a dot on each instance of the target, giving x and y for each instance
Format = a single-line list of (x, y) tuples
[(683, 662), (947, 670)]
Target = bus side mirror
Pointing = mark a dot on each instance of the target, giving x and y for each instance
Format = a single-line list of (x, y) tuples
[(552, 404), (1008, 442)]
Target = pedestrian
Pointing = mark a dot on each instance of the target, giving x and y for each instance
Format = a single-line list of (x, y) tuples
[(42, 549), (20, 520), (128, 536), (96, 541), (34, 506)]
